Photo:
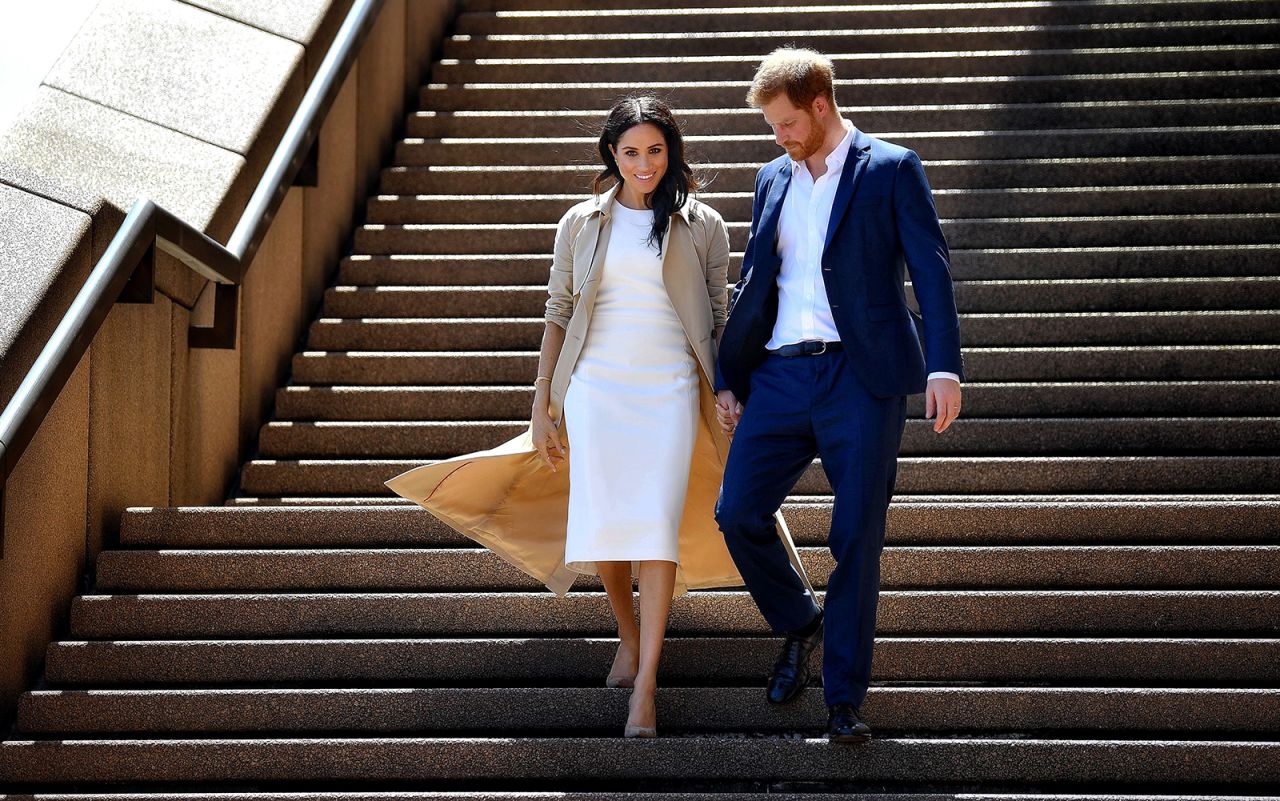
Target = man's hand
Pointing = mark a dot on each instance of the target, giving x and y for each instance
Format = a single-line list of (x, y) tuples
[(942, 401), (728, 411)]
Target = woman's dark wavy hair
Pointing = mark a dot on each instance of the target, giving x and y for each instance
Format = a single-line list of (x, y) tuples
[(674, 188)]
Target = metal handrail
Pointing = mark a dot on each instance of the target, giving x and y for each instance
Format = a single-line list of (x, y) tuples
[(148, 224)]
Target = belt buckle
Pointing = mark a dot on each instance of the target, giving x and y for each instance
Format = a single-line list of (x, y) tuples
[(820, 352)]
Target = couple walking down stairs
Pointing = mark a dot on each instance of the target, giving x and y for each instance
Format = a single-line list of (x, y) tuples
[(1081, 579)]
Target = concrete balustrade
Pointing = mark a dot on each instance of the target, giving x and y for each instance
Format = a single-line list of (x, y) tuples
[(182, 102)]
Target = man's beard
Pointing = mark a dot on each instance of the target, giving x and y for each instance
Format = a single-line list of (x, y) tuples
[(812, 143)]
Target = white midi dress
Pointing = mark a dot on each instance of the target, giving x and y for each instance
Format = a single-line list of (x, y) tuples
[(630, 410)]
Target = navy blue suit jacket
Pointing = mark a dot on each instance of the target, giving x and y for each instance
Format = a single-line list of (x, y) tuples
[(882, 219)]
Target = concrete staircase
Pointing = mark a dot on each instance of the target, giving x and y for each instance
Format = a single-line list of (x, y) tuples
[(1082, 579)]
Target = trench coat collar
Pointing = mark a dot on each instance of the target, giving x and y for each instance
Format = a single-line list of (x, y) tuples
[(604, 203)]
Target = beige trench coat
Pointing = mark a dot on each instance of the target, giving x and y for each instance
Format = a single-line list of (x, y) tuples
[(509, 501)]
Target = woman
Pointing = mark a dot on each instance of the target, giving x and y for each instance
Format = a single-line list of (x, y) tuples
[(638, 297)]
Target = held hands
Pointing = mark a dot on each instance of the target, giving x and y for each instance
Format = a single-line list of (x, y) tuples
[(728, 411), (545, 436), (942, 403)]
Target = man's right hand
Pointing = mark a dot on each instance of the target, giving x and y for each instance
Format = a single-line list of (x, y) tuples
[(728, 410)]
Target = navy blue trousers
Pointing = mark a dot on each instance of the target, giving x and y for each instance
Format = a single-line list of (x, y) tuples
[(801, 407)]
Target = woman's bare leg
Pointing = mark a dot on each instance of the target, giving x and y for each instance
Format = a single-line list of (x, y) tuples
[(657, 582), (616, 577)]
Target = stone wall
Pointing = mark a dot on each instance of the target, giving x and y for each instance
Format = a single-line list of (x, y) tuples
[(182, 102)]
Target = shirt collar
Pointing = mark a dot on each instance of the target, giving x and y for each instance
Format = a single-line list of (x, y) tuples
[(604, 203), (836, 158)]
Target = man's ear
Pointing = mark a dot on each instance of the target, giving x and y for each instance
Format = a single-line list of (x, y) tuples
[(818, 107)]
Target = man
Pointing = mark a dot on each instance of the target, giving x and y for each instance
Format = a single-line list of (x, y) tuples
[(817, 358)]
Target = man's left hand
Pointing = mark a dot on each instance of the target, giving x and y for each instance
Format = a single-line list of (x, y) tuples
[(942, 402)]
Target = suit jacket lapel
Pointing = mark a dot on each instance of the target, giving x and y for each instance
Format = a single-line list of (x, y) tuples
[(854, 167), (767, 231)]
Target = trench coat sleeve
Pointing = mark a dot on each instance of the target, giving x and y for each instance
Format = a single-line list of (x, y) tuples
[(717, 238), (560, 284)]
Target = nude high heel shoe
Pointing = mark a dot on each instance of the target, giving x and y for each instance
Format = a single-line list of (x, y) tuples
[(618, 678), (630, 730)]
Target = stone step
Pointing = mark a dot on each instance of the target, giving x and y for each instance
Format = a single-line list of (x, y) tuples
[(1229, 25), (1236, 765), (729, 612), (849, 16), (1062, 295), (479, 570), (429, 124), (945, 145), (1108, 363), (998, 521), (977, 330), (989, 400), (525, 711), (992, 264), (470, 795), (951, 203), (1159, 436), (1009, 232), (878, 91), (946, 64), (916, 475), (576, 661), (944, 174)]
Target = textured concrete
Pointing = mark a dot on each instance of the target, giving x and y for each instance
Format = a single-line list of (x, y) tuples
[(129, 414), (1007, 232), (1137, 475), (471, 795), (1071, 329), (875, 119), (1157, 436), (380, 94), (943, 174), (1000, 521), (454, 569), (330, 206), (726, 759), (951, 203), (1105, 363), (205, 412), (856, 16), (1061, 295), (884, 91), (1226, 27), (900, 612), (984, 400), (44, 537), (948, 145), (523, 711), (871, 65), (299, 20), (271, 314), (46, 254), (572, 661), (184, 69), (123, 158)]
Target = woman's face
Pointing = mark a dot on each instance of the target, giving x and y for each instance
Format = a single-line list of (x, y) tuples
[(641, 154)]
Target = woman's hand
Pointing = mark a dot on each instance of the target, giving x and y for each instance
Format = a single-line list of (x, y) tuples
[(545, 436)]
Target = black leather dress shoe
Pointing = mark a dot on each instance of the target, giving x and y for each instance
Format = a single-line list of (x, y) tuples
[(791, 671), (845, 725)]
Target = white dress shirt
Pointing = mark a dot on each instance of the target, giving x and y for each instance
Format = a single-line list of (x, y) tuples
[(804, 312)]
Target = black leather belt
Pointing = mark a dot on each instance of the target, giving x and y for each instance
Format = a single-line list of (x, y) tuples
[(810, 347)]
